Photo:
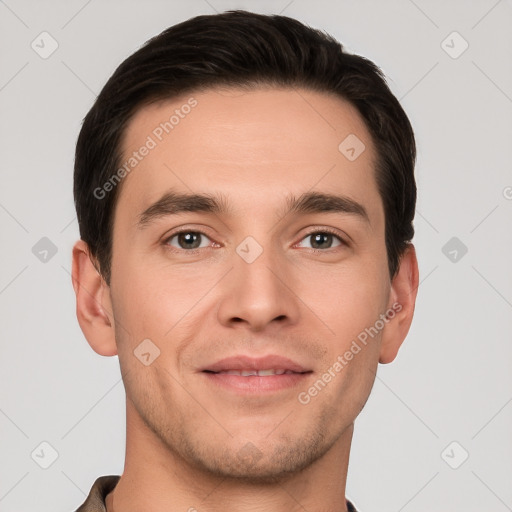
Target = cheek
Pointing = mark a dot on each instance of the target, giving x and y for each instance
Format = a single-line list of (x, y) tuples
[(350, 303), (347, 299), (167, 305)]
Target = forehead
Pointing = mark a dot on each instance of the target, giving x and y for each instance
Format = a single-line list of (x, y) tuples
[(244, 143)]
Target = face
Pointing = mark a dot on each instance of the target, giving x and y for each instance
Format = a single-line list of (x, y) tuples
[(240, 281)]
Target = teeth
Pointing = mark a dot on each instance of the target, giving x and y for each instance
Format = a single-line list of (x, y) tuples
[(263, 373), (259, 373), (244, 373)]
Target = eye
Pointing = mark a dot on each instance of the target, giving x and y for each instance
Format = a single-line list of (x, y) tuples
[(322, 239), (188, 240)]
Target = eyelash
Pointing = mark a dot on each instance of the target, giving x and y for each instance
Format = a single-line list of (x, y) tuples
[(195, 251)]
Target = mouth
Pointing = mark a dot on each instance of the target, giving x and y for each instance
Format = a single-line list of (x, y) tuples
[(248, 375)]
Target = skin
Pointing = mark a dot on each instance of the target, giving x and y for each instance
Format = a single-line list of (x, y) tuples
[(186, 438)]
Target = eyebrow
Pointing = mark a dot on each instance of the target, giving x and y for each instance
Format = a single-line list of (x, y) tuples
[(172, 203)]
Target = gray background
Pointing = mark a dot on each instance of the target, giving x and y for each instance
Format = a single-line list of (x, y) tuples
[(452, 379)]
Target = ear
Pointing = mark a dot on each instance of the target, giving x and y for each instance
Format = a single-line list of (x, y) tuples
[(93, 302), (402, 299)]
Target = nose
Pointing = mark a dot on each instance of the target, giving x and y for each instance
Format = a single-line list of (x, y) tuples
[(258, 294)]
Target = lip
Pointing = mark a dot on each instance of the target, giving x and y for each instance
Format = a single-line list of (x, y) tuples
[(243, 362), (255, 384)]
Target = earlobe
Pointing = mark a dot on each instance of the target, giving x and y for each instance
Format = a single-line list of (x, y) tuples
[(402, 300), (93, 302)]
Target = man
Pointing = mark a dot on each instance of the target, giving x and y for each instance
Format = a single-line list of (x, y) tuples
[(245, 195)]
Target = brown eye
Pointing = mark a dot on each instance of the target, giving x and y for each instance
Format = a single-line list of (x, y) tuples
[(322, 240), (187, 240)]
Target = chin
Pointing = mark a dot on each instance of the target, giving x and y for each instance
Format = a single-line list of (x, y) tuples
[(272, 464)]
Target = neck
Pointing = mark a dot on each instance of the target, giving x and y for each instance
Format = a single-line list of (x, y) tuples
[(156, 479)]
